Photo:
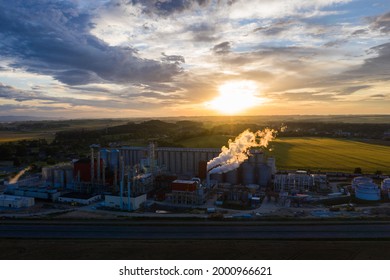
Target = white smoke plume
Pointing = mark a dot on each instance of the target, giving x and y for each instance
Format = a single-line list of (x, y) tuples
[(17, 176), (237, 151)]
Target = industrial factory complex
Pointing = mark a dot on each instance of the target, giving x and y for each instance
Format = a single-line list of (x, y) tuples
[(164, 179)]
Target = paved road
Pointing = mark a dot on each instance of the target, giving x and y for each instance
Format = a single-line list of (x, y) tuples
[(198, 231)]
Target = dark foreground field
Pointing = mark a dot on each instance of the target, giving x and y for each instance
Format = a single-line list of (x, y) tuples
[(57, 249)]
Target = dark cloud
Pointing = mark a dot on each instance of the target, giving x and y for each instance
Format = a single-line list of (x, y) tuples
[(203, 32), (12, 107), (377, 67), (177, 59), (52, 38), (93, 89), (381, 23), (359, 32), (8, 92), (350, 90), (276, 28), (285, 57), (222, 48), (335, 43), (378, 96), (169, 7), (11, 93)]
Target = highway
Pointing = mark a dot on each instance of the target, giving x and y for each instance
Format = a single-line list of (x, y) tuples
[(195, 231)]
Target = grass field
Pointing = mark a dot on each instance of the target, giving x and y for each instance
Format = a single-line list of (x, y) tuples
[(18, 136), (324, 154)]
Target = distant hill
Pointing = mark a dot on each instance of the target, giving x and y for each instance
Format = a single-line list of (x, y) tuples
[(4, 119)]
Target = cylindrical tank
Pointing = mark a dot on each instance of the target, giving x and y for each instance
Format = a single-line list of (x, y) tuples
[(271, 164), (232, 177), (259, 156), (357, 180), (252, 157), (385, 184), (48, 176), (58, 178), (216, 177), (114, 159), (248, 173), (69, 179), (368, 191), (263, 172)]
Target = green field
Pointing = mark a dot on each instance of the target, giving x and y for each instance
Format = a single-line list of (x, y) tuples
[(6, 136), (324, 154)]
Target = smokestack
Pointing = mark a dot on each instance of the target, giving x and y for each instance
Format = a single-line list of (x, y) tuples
[(92, 166), (128, 191), (98, 167), (122, 167), (104, 173), (115, 178), (237, 151)]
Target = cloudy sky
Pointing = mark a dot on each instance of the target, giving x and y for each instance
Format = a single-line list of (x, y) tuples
[(131, 58)]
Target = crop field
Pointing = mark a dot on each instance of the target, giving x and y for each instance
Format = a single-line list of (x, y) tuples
[(6, 136), (325, 154)]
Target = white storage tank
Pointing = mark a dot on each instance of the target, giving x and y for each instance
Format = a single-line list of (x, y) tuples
[(48, 176), (368, 191), (358, 180), (385, 184)]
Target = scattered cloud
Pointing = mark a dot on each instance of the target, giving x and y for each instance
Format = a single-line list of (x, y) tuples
[(222, 48), (159, 57), (53, 38), (352, 89), (381, 23)]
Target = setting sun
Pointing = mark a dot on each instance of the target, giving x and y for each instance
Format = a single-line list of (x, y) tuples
[(235, 97)]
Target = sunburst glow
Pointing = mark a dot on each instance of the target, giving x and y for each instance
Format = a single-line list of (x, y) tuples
[(235, 97)]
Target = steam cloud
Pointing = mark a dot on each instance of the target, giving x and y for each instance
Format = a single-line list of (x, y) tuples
[(20, 174), (237, 151)]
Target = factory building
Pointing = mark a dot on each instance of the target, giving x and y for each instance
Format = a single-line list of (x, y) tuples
[(320, 182), (186, 192), (11, 201), (39, 193), (79, 198), (299, 181), (183, 161), (119, 202), (190, 162)]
